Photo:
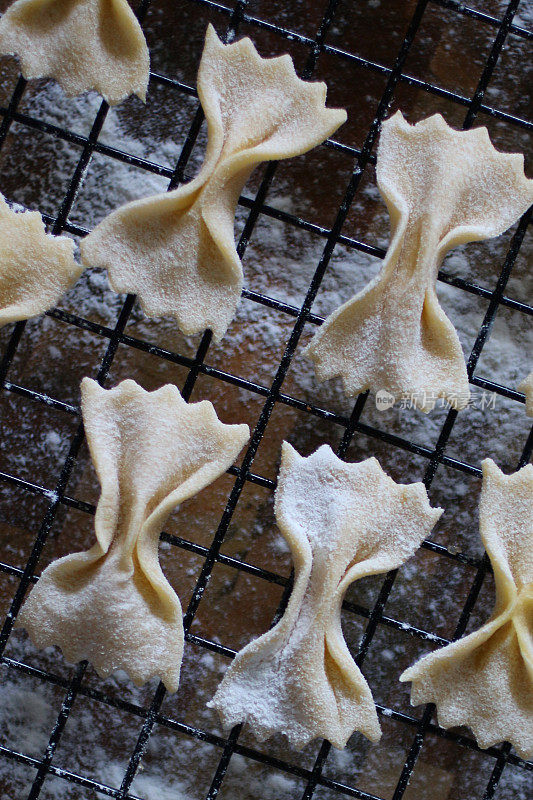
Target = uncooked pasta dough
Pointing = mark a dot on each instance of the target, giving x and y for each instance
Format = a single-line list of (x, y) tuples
[(527, 387), (176, 251), (83, 44), (442, 188), (112, 604), (342, 522), (36, 269), (485, 680)]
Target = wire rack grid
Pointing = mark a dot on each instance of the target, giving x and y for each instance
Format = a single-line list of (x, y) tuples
[(314, 779)]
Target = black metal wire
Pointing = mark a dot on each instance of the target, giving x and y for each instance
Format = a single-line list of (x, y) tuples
[(436, 456)]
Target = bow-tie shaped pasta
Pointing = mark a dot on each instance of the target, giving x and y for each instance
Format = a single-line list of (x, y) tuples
[(36, 268), (442, 188), (485, 680), (342, 522), (527, 387), (112, 604), (82, 44), (176, 250)]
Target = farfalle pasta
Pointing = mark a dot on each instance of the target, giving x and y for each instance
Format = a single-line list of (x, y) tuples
[(342, 522), (36, 268), (83, 44), (485, 680), (112, 604), (176, 251), (527, 387), (442, 188)]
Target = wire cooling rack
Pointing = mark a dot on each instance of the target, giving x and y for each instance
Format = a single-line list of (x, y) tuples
[(315, 779)]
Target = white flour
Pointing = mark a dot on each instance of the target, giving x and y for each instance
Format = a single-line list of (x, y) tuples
[(279, 261)]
